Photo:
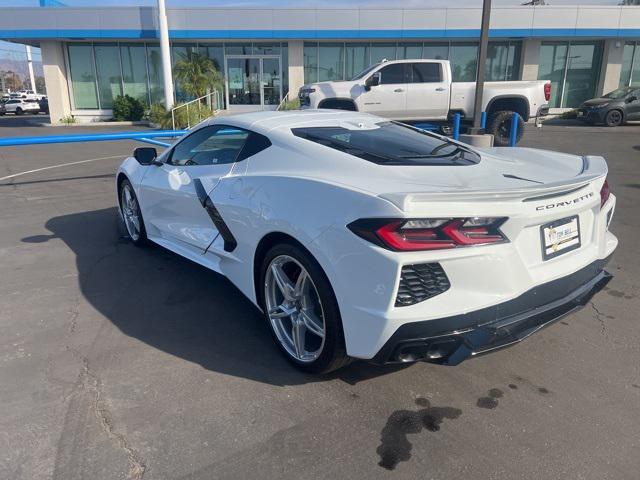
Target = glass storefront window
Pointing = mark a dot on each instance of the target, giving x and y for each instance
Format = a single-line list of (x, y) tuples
[(108, 73), (310, 60), (553, 58), (380, 51), (356, 59), (134, 71), (156, 79), (435, 51), (238, 49), (583, 70), (285, 70), (83, 77), (408, 51), (630, 73), (464, 62), (330, 61), (572, 68), (266, 49)]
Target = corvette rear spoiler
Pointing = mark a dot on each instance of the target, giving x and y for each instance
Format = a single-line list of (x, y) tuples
[(593, 168)]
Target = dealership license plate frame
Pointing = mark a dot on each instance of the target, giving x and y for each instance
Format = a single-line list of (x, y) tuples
[(560, 250)]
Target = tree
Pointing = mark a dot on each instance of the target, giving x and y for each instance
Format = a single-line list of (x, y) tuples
[(197, 74)]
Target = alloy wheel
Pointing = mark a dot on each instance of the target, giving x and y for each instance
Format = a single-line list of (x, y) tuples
[(294, 309), (130, 212)]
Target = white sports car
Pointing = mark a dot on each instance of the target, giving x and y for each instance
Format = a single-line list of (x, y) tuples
[(359, 237)]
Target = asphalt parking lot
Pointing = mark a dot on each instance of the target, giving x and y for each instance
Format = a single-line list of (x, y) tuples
[(122, 363)]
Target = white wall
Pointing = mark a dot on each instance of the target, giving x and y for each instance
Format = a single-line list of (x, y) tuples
[(55, 78)]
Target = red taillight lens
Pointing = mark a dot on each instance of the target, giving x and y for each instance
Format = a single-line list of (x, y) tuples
[(547, 91), (605, 191), (430, 233)]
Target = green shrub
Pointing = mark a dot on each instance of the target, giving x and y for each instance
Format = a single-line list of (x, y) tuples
[(157, 113), (571, 114), (290, 105), (183, 118), (70, 120), (125, 107)]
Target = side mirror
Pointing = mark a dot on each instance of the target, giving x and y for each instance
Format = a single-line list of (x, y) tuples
[(372, 81), (145, 155), (632, 98)]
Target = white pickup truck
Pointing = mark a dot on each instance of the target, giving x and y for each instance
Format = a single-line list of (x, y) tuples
[(411, 90)]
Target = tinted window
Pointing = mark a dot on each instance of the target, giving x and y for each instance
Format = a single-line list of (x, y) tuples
[(254, 144), (391, 144), (213, 145), (426, 72), (393, 74)]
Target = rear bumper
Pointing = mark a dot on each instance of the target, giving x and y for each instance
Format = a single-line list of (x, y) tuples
[(452, 340)]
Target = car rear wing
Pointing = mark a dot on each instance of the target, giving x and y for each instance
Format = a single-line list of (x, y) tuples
[(593, 168)]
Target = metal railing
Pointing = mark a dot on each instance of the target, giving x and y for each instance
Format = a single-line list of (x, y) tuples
[(211, 106)]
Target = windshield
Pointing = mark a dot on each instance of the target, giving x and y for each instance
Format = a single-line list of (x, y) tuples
[(365, 71), (619, 93), (391, 143)]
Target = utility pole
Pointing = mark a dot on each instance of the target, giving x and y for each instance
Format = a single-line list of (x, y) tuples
[(165, 53), (30, 64), (482, 60)]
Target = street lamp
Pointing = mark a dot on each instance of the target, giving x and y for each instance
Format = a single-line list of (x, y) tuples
[(482, 60)]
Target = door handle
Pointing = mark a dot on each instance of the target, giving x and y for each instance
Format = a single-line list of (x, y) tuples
[(440, 89), (398, 90)]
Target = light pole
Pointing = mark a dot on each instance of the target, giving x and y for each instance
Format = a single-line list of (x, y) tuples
[(482, 60), (165, 53)]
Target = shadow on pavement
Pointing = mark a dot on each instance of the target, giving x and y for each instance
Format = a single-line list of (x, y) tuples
[(177, 306)]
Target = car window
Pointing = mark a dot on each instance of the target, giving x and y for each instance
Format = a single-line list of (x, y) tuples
[(213, 145), (426, 72), (395, 73), (390, 143)]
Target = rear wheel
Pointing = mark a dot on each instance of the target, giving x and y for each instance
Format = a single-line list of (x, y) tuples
[(302, 310), (613, 118), (500, 127)]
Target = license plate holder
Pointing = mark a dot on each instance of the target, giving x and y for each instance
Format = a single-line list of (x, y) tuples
[(560, 236)]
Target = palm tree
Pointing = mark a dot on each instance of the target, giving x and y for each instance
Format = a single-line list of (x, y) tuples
[(197, 74)]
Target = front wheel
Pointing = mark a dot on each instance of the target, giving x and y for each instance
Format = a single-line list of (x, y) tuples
[(302, 310), (18, 111), (500, 127), (131, 214), (613, 118)]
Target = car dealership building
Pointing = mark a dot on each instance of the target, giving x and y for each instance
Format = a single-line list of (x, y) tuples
[(91, 55)]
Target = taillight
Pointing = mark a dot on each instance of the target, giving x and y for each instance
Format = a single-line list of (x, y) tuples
[(430, 233), (605, 191), (547, 91)]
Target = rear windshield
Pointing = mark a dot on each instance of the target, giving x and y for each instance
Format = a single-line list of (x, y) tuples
[(391, 143)]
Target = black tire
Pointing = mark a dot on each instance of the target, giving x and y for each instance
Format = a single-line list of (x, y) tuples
[(18, 111), (499, 126), (613, 118), (334, 354), (141, 239)]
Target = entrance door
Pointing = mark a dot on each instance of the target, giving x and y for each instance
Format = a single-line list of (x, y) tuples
[(253, 83)]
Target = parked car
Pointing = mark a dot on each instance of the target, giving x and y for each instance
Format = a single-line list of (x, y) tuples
[(19, 106), (612, 109), (410, 90), (360, 237), (44, 105)]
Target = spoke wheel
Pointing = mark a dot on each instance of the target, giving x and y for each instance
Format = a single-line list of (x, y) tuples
[(294, 308), (613, 118), (131, 212)]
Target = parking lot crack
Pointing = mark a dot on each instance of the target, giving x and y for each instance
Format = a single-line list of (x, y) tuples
[(92, 384), (598, 315)]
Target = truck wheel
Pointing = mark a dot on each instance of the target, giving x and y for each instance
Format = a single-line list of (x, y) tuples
[(500, 127)]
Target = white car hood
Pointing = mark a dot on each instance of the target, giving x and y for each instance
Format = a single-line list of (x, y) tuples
[(335, 89)]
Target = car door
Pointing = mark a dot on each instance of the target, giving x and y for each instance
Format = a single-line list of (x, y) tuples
[(389, 97), (11, 105), (632, 106), (427, 92), (170, 203)]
